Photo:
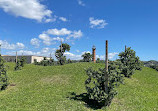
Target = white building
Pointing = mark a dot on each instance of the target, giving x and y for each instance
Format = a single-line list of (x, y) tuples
[(29, 58)]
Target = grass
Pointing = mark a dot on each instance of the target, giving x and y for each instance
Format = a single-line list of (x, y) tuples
[(38, 88)]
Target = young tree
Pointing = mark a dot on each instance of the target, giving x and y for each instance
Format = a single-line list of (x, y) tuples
[(3, 75), (69, 61), (95, 83), (22, 61), (130, 62), (60, 53), (87, 57), (17, 66), (98, 60)]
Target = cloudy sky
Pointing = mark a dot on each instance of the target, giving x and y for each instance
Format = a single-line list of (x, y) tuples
[(36, 27)]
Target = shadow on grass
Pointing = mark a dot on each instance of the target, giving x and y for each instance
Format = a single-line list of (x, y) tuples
[(89, 103)]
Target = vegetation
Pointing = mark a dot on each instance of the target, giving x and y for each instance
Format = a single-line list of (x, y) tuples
[(154, 67), (22, 61), (95, 84), (130, 62), (18, 65), (87, 57), (45, 62), (62, 88), (3, 75), (60, 53)]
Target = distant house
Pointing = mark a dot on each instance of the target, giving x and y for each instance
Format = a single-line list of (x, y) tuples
[(29, 58)]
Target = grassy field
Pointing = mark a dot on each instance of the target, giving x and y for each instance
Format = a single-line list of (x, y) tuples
[(38, 88)]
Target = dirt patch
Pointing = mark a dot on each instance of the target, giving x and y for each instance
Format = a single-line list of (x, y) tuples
[(56, 79)]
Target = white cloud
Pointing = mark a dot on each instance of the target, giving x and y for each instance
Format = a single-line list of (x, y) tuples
[(68, 34), (63, 19), (110, 56), (31, 9), (75, 35), (72, 56), (46, 39), (80, 2), (98, 23), (35, 42), (57, 32), (6, 45)]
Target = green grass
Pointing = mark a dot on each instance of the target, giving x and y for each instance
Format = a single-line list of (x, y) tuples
[(39, 88)]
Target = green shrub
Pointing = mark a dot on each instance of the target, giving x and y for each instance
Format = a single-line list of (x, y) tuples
[(22, 61), (17, 66), (95, 84), (130, 62), (3, 75)]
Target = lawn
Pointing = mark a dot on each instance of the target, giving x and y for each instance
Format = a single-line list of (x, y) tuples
[(38, 88)]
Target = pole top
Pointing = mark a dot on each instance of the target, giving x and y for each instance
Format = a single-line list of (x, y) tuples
[(93, 47)]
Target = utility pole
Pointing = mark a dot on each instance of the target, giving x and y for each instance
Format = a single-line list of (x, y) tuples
[(125, 48), (106, 67), (16, 57)]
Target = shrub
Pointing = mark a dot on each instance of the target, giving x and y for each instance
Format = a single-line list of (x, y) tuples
[(3, 75), (95, 84), (17, 66), (130, 62), (22, 61), (87, 57)]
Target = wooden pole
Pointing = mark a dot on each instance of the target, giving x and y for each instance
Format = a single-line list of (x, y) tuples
[(125, 48), (16, 57), (106, 68)]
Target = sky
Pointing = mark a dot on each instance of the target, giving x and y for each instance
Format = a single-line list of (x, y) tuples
[(36, 27)]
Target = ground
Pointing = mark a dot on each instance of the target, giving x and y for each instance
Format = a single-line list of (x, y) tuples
[(39, 88)]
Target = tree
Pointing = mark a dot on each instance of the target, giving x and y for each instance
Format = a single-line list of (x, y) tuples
[(130, 62), (87, 57), (17, 66), (3, 74), (98, 60), (22, 61), (95, 83), (69, 61), (60, 53)]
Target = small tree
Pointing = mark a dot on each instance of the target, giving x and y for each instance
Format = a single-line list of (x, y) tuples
[(3, 75), (22, 61), (98, 60), (130, 62), (95, 83), (60, 53), (69, 61), (87, 57), (17, 66)]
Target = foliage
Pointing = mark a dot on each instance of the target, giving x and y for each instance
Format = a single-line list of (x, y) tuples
[(69, 61), (154, 67), (3, 74), (17, 66), (22, 61), (44, 62), (98, 60), (60, 53), (95, 84), (130, 62), (87, 57)]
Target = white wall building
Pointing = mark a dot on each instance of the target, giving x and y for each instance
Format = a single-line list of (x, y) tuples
[(29, 58)]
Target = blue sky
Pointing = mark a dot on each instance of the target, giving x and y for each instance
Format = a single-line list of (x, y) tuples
[(35, 27)]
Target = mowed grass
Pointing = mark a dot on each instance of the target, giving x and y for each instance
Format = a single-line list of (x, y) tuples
[(38, 88)]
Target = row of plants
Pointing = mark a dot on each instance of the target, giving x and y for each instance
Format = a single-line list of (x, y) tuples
[(125, 66)]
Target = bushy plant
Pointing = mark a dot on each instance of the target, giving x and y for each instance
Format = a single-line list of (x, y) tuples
[(3, 74), (130, 62), (87, 57), (69, 61), (95, 84), (22, 61), (17, 66)]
